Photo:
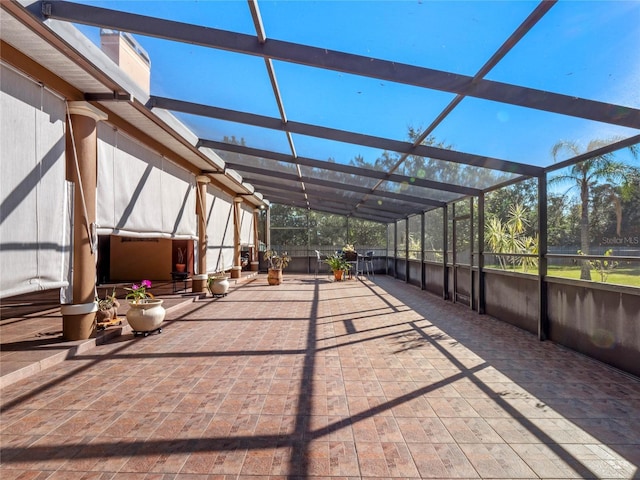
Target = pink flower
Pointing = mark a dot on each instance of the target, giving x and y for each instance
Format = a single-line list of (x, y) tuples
[(138, 292)]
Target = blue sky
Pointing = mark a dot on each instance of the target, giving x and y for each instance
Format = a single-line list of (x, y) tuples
[(587, 49)]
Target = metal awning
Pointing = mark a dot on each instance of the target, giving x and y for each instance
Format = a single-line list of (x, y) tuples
[(330, 137)]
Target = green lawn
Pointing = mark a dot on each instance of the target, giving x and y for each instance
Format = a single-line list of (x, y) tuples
[(626, 275), (623, 275)]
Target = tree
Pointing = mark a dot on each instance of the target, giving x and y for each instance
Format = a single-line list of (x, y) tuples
[(431, 168), (500, 202), (289, 226), (608, 222), (293, 227), (365, 233), (510, 237), (603, 267), (563, 220), (328, 229), (584, 176)]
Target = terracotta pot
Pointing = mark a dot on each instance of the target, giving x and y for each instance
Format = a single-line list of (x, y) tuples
[(146, 316), (338, 274), (181, 267), (274, 277)]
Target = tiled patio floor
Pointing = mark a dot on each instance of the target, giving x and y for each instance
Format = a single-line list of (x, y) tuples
[(31, 332), (315, 379)]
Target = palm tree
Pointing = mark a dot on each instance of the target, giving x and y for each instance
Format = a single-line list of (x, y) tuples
[(586, 175)]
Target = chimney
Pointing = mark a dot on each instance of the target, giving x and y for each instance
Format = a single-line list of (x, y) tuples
[(129, 55)]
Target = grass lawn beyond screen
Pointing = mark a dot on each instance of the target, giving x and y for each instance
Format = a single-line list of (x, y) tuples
[(621, 275), (626, 274)]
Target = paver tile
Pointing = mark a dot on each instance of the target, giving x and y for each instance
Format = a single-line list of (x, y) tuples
[(318, 380)]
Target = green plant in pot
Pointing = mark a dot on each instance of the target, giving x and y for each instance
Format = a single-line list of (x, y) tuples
[(181, 265), (277, 262), (107, 307), (146, 313), (338, 265), (349, 253)]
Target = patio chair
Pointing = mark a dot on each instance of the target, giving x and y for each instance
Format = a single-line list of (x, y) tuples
[(365, 265), (319, 263)]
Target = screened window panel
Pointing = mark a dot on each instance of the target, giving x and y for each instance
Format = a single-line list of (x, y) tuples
[(433, 235), (463, 242), (500, 121), (223, 130), (391, 240), (339, 177), (420, 192), (401, 246), (400, 105), (267, 164), (35, 218), (415, 236)]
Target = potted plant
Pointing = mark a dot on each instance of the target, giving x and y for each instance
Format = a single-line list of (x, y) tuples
[(218, 284), (338, 264), (349, 253), (181, 266), (277, 262), (107, 308), (146, 313)]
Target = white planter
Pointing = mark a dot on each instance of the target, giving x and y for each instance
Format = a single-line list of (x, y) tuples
[(218, 286), (146, 317)]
